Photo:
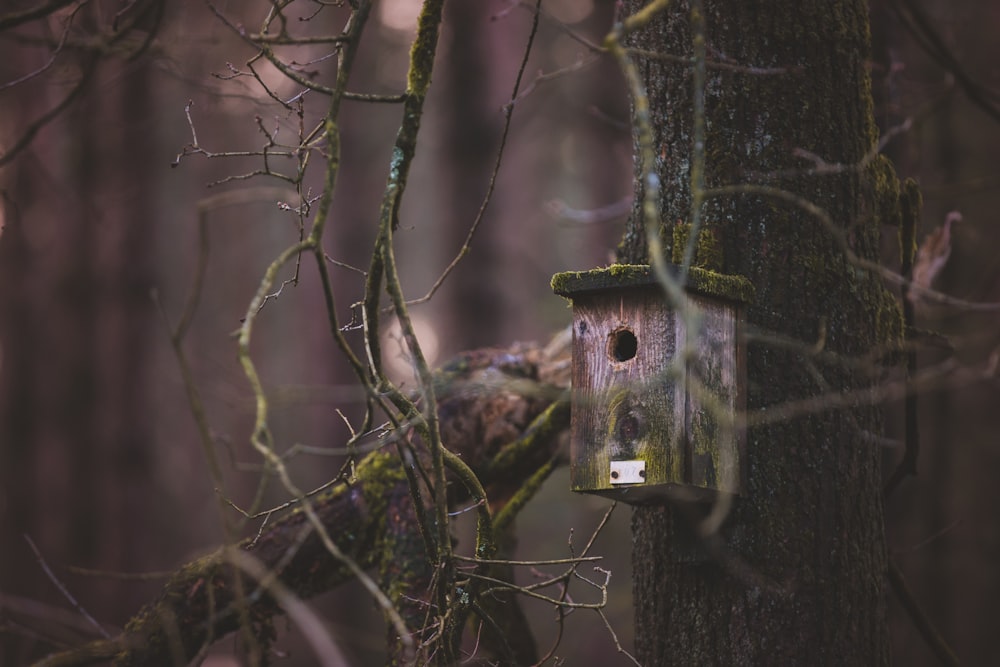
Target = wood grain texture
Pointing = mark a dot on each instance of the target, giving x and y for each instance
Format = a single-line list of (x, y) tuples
[(677, 415)]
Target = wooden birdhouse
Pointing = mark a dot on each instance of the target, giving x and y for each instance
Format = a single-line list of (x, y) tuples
[(657, 386)]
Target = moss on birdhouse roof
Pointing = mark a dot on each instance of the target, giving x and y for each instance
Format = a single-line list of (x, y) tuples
[(624, 276)]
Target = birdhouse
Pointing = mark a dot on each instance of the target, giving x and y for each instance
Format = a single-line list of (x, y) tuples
[(658, 386)]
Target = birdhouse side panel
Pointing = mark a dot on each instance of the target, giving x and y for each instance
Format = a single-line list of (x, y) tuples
[(715, 395), (624, 428)]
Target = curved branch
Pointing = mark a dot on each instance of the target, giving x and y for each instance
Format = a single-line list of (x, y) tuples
[(28, 135), (920, 27), (15, 19)]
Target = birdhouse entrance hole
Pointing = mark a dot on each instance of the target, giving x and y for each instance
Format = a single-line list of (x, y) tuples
[(622, 345)]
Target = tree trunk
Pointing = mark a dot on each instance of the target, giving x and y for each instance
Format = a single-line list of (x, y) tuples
[(75, 460), (796, 575)]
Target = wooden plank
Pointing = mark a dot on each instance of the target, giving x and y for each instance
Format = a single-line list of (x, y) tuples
[(618, 398), (637, 404), (712, 390)]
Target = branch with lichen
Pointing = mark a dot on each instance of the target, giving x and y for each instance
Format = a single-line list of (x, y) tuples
[(369, 519), (387, 526)]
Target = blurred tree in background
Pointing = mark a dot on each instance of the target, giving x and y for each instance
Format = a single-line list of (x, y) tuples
[(106, 229)]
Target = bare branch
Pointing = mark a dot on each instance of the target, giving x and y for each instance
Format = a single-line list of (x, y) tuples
[(39, 11), (65, 592)]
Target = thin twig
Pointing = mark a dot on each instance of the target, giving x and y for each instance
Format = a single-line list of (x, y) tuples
[(923, 624), (62, 589), (28, 134)]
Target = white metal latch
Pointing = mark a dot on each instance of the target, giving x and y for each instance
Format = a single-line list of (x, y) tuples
[(628, 472)]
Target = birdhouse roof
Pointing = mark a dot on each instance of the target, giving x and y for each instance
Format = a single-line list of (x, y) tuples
[(625, 276)]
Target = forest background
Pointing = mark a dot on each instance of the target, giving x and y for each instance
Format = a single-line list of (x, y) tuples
[(99, 461)]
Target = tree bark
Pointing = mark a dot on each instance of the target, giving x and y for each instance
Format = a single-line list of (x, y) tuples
[(796, 575)]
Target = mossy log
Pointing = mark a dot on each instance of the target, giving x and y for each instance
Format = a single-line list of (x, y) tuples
[(502, 412)]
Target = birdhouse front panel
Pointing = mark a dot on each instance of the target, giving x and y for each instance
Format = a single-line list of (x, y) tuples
[(627, 425), (658, 387)]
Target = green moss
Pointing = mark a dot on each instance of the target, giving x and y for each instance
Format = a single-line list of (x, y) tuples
[(885, 185), (380, 471), (664, 463), (708, 252), (910, 203), (543, 428), (889, 325), (424, 46), (623, 276), (892, 207)]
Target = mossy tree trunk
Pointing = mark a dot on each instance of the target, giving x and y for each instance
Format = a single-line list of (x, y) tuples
[(800, 576)]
